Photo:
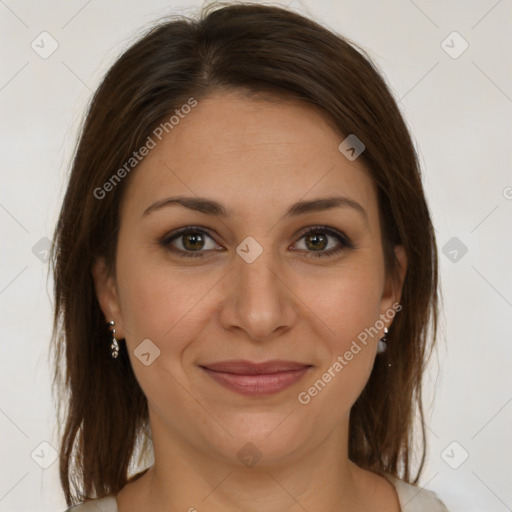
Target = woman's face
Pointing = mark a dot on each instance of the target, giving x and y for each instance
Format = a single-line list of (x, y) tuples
[(273, 277)]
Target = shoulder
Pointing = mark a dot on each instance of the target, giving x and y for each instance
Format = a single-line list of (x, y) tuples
[(416, 499), (106, 504)]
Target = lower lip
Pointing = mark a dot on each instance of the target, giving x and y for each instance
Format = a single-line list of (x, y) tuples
[(257, 385)]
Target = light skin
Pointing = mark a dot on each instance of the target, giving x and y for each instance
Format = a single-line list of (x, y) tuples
[(257, 158)]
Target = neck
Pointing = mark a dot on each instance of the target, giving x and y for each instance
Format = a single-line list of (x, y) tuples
[(319, 478)]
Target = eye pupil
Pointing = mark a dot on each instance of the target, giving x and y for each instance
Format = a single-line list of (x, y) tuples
[(318, 241), (192, 242), (196, 240)]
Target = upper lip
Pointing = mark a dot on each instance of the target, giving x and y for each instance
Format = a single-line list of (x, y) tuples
[(243, 367)]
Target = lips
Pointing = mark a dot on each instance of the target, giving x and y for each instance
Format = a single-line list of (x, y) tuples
[(242, 367), (256, 379)]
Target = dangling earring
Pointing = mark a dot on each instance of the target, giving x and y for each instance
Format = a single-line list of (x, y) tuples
[(114, 346), (383, 344)]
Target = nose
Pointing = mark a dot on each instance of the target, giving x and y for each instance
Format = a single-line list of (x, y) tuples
[(259, 300)]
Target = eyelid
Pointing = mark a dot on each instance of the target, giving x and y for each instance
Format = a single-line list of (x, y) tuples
[(330, 231), (167, 239), (326, 229)]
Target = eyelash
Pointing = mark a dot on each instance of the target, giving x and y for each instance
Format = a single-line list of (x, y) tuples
[(345, 242)]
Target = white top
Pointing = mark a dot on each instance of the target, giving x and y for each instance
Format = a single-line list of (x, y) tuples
[(411, 498)]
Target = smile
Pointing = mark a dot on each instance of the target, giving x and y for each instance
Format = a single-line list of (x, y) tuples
[(256, 379)]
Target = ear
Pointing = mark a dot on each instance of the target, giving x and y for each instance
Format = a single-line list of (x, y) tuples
[(106, 292), (393, 286)]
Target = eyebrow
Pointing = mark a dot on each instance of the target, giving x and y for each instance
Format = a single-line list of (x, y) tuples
[(211, 207)]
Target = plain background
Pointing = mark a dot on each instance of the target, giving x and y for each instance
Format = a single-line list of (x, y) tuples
[(458, 110)]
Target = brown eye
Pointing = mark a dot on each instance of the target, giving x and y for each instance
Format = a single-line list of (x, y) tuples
[(193, 241), (189, 242), (317, 240)]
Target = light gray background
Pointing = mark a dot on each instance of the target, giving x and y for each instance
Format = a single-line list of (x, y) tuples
[(459, 112)]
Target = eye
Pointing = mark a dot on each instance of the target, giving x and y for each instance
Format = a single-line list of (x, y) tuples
[(316, 241), (192, 242), (188, 242)]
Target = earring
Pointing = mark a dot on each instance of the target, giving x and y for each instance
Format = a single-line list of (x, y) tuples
[(114, 346), (383, 344)]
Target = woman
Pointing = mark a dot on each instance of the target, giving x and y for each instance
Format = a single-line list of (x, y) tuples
[(245, 267)]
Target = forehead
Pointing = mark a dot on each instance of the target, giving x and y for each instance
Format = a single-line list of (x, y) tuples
[(249, 153)]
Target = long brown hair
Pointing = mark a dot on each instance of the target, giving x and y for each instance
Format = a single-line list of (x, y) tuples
[(251, 48)]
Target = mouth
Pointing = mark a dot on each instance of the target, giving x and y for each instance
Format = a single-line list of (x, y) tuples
[(256, 379)]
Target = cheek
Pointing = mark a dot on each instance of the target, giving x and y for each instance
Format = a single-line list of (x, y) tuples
[(349, 306), (349, 352), (165, 304), (165, 307), (348, 302)]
